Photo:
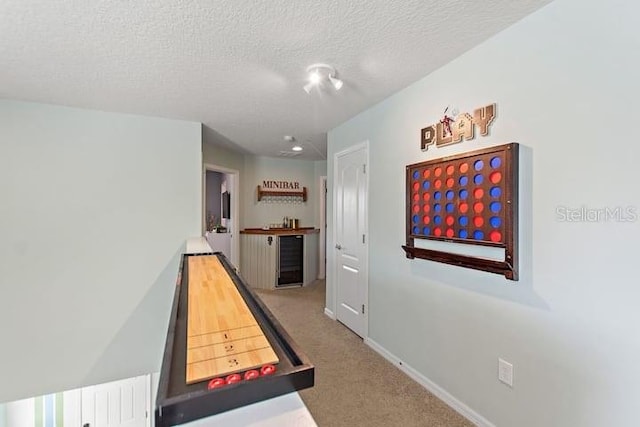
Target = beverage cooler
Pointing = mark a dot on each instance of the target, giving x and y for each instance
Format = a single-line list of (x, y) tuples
[(290, 261)]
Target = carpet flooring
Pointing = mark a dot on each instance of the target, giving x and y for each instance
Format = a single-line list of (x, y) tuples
[(354, 385)]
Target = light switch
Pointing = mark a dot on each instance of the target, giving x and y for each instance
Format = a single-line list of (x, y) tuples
[(505, 372)]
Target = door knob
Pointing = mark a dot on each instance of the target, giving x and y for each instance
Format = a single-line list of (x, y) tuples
[(338, 247)]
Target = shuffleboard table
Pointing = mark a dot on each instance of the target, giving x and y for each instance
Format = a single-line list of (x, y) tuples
[(219, 330)]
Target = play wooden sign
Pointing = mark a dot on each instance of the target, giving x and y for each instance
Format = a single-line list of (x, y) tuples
[(458, 127)]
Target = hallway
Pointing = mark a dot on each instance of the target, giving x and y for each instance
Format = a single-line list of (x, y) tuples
[(354, 386)]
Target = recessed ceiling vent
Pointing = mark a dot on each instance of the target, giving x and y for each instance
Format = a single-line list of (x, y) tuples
[(289, 154)]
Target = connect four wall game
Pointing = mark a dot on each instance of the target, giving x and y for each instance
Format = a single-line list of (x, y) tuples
[(469, 199)]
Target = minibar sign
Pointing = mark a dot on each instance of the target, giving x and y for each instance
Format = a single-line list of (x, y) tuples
[(281, 185)]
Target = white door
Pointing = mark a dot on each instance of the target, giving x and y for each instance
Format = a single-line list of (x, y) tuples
[(350, 237), (116, 404)]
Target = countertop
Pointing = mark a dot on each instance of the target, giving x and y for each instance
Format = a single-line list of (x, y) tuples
[(281, 231)]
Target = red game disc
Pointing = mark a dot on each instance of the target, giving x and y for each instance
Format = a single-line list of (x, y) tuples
[(450, 232), (450, 169), (215, 383), (426, 173), (495, 177), (478, 221), (251, 375), (267, 370), (495, 236), (450, 182), (438, 171), (478, 193), (233, 378), (464, 168)]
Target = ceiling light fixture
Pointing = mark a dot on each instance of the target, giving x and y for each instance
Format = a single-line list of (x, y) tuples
[(337, 83), (292, 139), (319, 73)]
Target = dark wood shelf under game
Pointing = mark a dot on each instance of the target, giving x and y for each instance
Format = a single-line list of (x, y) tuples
[(271, 193)]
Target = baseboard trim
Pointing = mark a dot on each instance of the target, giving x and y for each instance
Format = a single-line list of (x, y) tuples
[(329, 314), (434, 388)]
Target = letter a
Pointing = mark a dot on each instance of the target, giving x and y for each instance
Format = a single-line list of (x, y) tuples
[(462, 128)]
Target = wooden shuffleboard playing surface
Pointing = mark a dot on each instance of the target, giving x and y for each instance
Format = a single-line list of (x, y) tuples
[(223, 336)]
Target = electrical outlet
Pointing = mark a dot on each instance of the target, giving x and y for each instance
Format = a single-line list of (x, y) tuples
[(505, 372)]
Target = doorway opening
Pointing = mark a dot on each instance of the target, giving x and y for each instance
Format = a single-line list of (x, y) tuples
[(220, 216)]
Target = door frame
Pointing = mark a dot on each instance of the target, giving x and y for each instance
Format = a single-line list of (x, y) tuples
[(235, 206), (322, 243), (334, 257)]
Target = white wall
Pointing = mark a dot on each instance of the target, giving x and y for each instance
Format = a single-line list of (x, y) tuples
[(95, 210), (565, 82), (258, 169), (219, 156)]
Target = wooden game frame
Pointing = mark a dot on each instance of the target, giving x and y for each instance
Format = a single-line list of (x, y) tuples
[(179, 402), (507, 267)]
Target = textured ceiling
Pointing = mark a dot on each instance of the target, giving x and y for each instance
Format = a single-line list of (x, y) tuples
[(236, 66)]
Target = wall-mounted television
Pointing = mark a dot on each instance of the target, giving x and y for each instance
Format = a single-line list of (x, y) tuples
[(226, 205)]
